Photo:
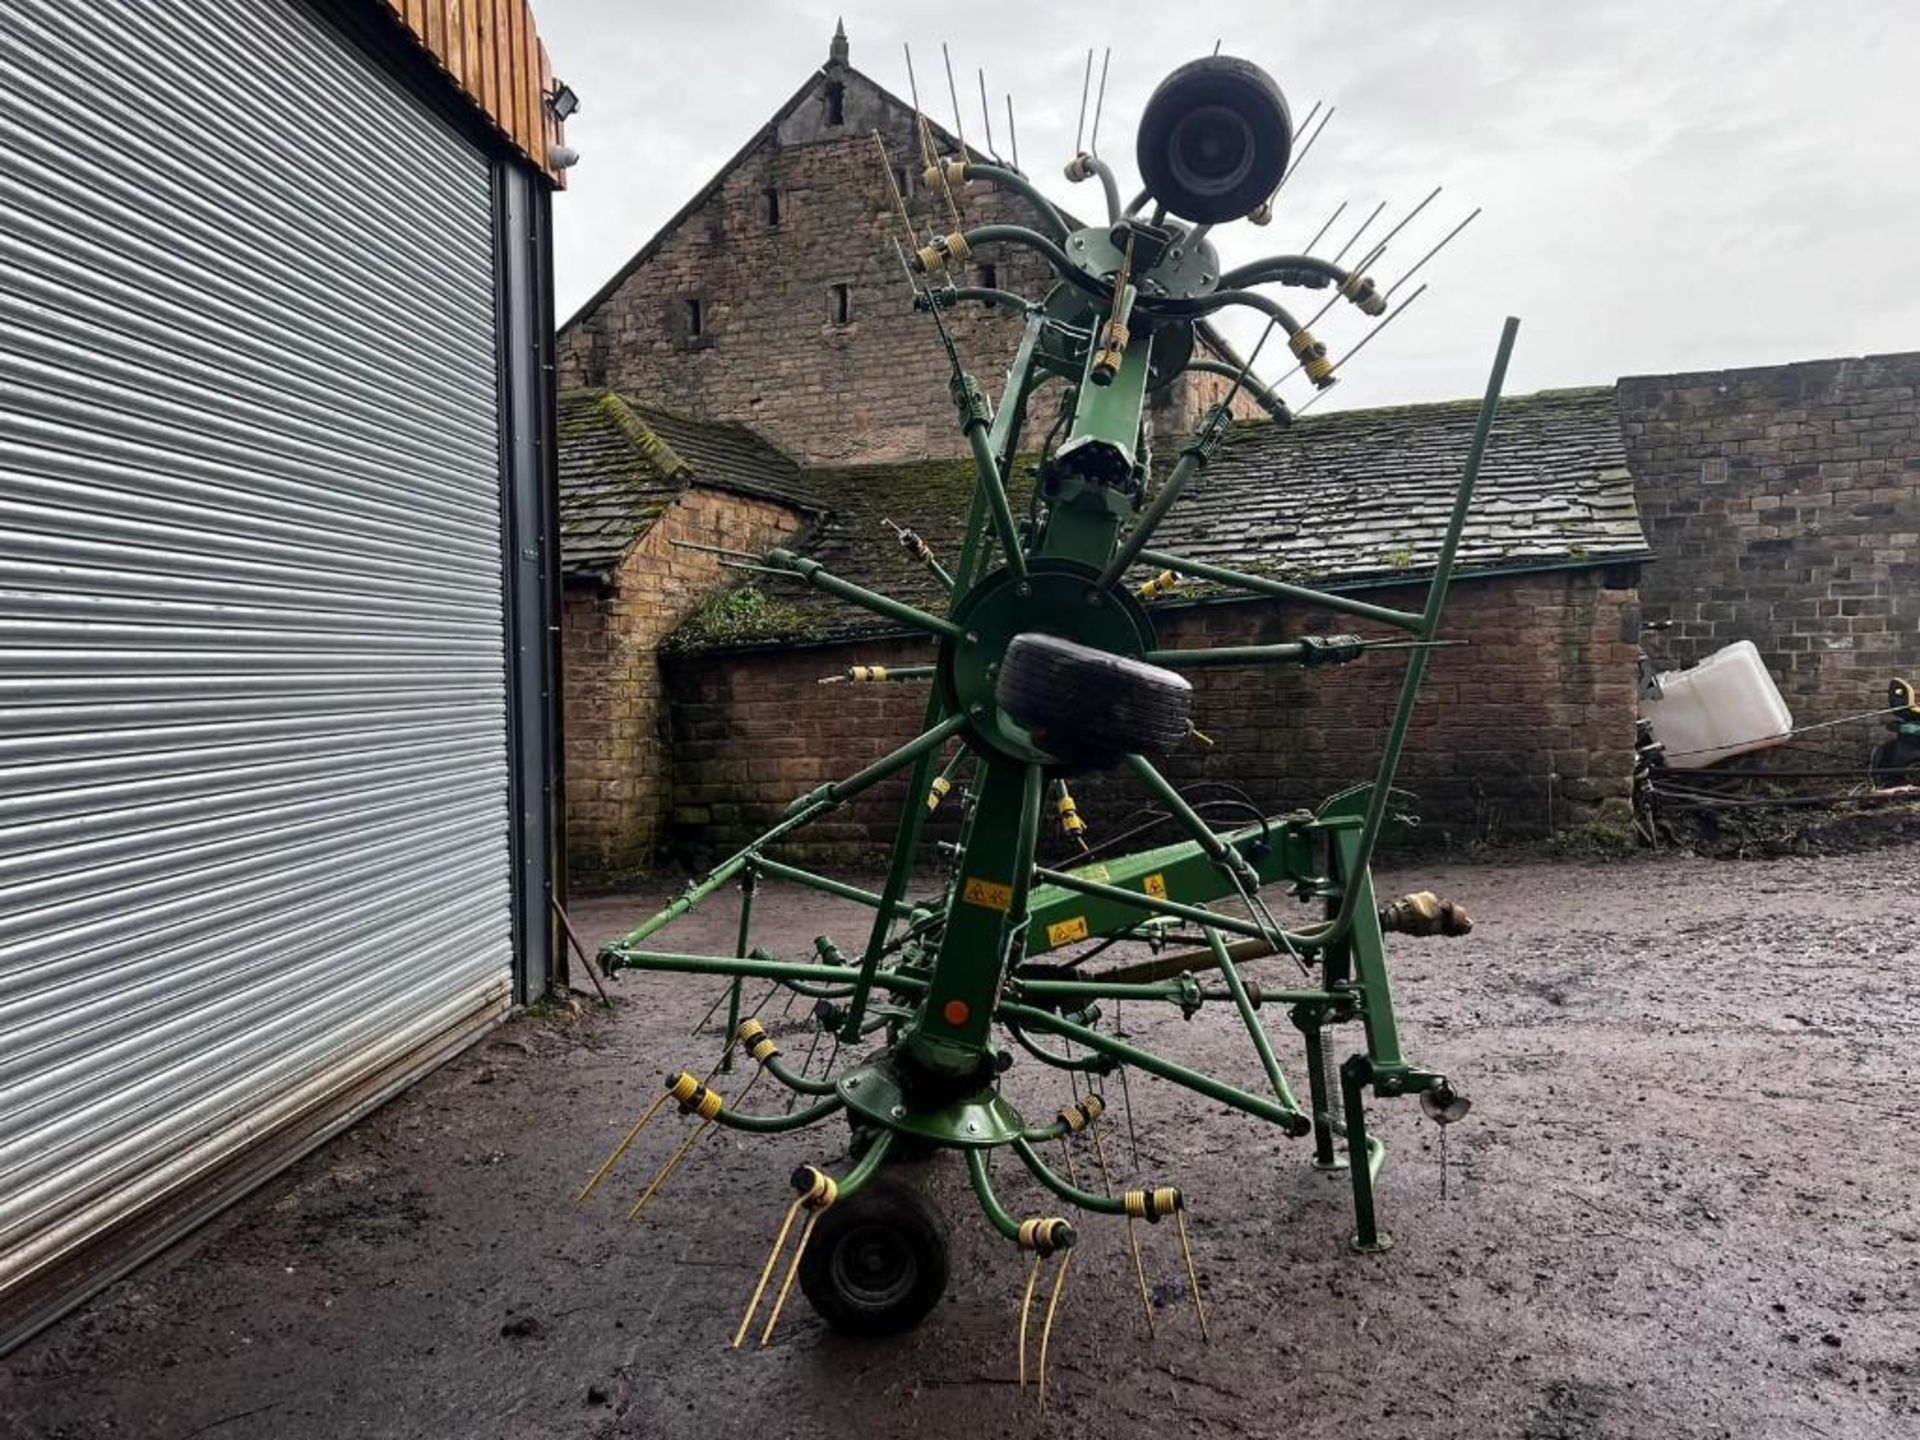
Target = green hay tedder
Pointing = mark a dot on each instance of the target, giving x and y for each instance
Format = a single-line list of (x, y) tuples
[(1048, 668)]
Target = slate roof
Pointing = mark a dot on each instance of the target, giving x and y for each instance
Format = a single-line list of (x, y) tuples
[(1365, 494), (1339, 501), (623, 463)]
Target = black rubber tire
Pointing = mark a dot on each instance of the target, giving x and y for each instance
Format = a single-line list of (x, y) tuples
[(1091, 707), (1214, 139), (877, 1262)]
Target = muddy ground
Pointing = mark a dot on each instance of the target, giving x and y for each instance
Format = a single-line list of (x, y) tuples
[(1684, 1205)]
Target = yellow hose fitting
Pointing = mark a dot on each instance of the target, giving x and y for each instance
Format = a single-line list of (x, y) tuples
[(816, 1188), (1361, 290), (1070, 820), (937, 791), (942, 252), (1082, 1113), (1313, 357), (753, 1037), (954, 172), (1154, 1205), (1165, 583), (693, 1097), (1044, 1234), (1111, 353)]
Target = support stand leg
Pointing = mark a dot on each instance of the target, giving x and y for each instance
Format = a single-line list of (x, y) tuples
[(1365, 1155), (748, 883), (1325, 1155)]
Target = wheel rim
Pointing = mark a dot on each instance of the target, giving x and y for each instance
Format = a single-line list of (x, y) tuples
[(874, 1267)]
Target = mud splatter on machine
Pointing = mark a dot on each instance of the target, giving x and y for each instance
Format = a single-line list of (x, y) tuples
[(1048, 667)]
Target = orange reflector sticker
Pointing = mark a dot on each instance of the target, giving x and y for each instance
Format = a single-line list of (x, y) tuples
[(956, 1012)]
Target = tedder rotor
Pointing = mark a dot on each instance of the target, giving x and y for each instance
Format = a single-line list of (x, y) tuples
[(1048, 667)]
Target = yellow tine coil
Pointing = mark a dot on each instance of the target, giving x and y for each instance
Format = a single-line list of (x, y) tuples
[(1140, 1269), (621, 1149), (1193, 1277), (766, 1271), (1046, 1330), (686, 1146), (793, 1269), (1026, 1306)]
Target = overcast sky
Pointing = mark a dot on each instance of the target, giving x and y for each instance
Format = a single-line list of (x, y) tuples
[(1666, 184)]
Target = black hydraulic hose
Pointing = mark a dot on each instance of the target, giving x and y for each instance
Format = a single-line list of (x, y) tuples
[(1219, 300), (1063, 265), (1274, 266), (1056, 223)]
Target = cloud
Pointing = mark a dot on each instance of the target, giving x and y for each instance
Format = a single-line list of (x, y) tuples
[(1664, 185)]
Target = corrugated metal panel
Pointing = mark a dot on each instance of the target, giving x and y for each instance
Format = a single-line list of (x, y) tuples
[(253, 803)]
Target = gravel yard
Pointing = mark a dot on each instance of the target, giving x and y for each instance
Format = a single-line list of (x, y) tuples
[(1683, 1205)]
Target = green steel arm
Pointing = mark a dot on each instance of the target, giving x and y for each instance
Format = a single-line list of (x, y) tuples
[(1262, 396), (974, 410), (1281, 590), (989, 1202), (1055, 224), (1255, 1030), (755, 969), (855, 1179), (1072, 1194), (1066, 880), (1193, 459), (778, 1124), (820, 578), (838, 792), (1288, 1117)]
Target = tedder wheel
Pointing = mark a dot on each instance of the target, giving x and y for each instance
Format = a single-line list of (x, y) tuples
[(877, 1262), (1087, 706), (1214, 138)]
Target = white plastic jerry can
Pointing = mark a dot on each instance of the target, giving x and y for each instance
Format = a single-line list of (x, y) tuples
[(1725, 705)]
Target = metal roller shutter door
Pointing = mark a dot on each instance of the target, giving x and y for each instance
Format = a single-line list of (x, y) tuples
[(253, 739)]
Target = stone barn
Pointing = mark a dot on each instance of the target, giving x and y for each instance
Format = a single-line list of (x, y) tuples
[(1525, 726), (775, 298), (634, 480)]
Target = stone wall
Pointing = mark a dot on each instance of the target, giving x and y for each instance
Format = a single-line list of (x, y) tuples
[(1783, 504), (619, 785), (773, 349), (1529, 726)]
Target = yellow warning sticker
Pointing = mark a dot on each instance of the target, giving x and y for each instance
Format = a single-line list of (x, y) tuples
[(1066, 932), (1156, 886), (987, 894)]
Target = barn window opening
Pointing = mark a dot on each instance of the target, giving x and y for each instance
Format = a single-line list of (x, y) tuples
[(696, 318), (989, 278), (836, 104), (903, 177), (773, 207), (840, 299)]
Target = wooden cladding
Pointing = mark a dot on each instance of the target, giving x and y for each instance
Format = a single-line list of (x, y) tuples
[(492, 51)]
